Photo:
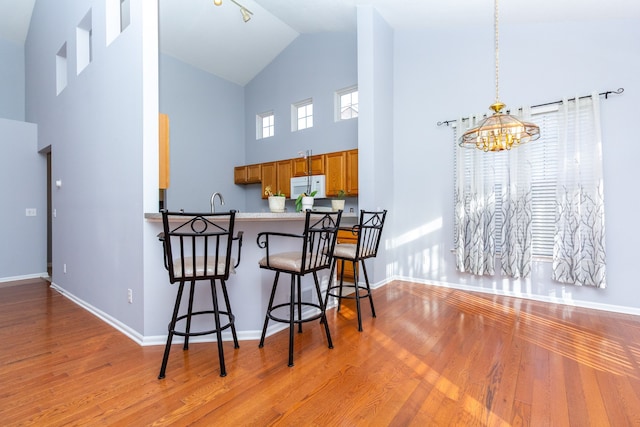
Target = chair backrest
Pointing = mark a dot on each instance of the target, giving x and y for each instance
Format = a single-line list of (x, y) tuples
[(320, 232), (198, 246), (369, 232)]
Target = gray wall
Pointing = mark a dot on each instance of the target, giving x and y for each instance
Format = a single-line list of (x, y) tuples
[(95, 130), (312, 66), (538, 63), (11, 80), (23, 184), (206, 115)]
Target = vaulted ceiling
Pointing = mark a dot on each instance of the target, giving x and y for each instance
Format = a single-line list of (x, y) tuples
[(215, 38)]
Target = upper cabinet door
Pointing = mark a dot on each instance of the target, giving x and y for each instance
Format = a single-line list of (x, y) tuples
[(335, 171), (284, 177), (300, 165), (352, 172), (163, 153), (269, 178)]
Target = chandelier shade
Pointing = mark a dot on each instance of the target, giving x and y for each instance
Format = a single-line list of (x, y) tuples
[(499, 132)]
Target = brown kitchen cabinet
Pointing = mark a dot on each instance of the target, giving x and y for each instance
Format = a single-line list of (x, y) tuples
[(269, 177), (163, 153), (335, 172), (250, 174), (340, 169), (283, 172), (299, 165), (277, 175), (351, 172)]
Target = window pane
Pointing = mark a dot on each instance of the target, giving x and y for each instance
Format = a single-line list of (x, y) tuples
[(348, 104), (305, 116), (265, 125)]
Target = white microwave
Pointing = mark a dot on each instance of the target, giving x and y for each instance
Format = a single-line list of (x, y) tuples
[(299, 186)]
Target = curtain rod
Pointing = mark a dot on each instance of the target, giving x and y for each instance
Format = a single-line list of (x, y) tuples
[(605, 94)]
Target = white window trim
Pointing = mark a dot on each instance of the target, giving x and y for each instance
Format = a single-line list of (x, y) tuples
[(294, 114), (260, 125), (338, 103)]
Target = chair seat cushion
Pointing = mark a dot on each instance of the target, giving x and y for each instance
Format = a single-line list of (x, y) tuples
[(288, 261), (211, 267), (345, 250)]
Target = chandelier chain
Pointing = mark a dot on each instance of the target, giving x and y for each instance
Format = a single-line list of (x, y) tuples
[(497, 57)]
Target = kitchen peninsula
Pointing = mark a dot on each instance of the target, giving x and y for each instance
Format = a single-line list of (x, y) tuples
[(249, 289)]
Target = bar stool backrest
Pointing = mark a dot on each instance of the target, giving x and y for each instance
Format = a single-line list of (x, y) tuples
[(320, 231), (198, 246), (369, 231)]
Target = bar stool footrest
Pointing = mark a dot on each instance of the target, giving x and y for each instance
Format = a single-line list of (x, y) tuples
[(352, 295), (230, 322), (296, 321)]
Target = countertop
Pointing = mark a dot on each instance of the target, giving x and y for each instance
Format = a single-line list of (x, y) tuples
[(350, 217)]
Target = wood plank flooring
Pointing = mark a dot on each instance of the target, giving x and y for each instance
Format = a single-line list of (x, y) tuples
[(432, 357)]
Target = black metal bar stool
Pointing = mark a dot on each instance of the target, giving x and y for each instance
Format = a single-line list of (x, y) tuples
[(199, 249), (315, 252), (368, 230)]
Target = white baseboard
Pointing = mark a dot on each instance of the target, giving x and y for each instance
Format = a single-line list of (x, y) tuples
[(131, 333), (44, 275), (162, 339), (226, 336), (547, 299)]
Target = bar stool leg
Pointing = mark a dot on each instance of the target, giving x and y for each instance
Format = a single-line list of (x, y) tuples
[(326, 298), (189, 311), (341, 282), (357, 294), (216, 315), (299, 288), (172, 327), (323, 307), (292, 299), (266, 317), (366, 280), (231, 316)]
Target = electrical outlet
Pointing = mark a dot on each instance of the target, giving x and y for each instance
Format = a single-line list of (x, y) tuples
[(64, 268), (31, 212), (130, 296)]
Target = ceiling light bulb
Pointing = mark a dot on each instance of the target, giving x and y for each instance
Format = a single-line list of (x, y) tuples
[(217, 2), (245, 14)]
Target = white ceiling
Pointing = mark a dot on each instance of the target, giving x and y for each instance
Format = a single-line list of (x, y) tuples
[(215, 39)]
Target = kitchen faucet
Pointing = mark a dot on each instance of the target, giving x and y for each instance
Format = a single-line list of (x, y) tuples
[(213, 197)]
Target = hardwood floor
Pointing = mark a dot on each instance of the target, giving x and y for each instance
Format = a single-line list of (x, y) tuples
[(433, 356)]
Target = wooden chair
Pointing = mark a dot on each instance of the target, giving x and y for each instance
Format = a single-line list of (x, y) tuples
[(198, 249), (314, 252)]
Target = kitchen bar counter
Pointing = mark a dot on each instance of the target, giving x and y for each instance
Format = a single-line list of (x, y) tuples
[(249, 289)]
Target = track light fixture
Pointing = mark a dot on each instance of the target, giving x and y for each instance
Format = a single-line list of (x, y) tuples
[(246, 13)]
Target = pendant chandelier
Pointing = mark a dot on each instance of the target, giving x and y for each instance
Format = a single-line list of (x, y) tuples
[(499, 131)]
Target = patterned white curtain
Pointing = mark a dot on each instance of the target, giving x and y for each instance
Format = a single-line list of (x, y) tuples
[(475, 208), (516, 207), (579, 249), (486, 184)]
